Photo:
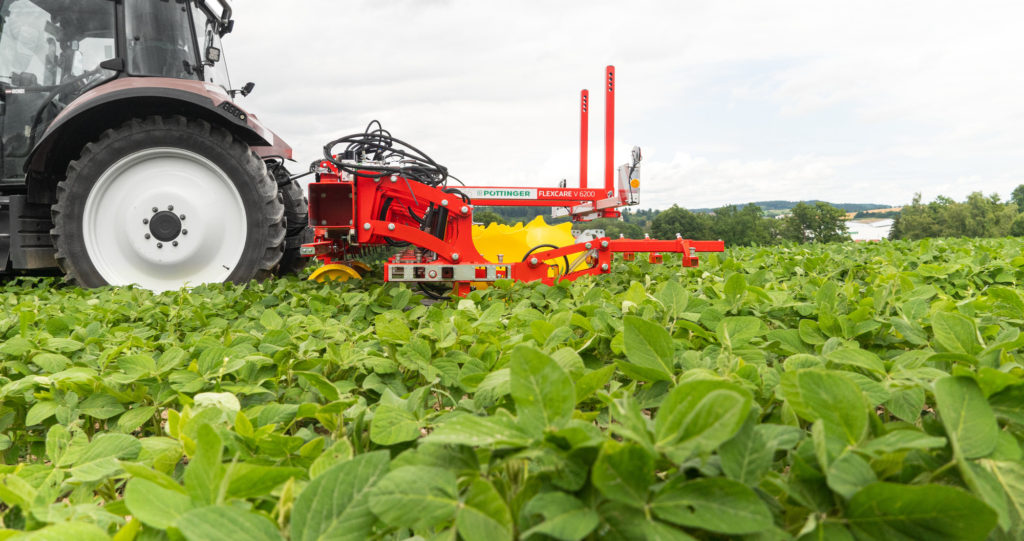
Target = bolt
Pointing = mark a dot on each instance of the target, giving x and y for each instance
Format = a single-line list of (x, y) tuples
[(501, 258), (155, 210), (534, 261), (175, 244), (367, 226), (444, 202), (159, 245), (323, 222), (604, 267), (394, 178), (604, 244), (148, 236), (455, 257), (184, 231), (145, 221), (182, 216), (170, 207), (391, 227), (588, 245), (324, 194), (465, 210)]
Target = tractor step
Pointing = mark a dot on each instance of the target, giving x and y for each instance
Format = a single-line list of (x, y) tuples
[(25, 235)]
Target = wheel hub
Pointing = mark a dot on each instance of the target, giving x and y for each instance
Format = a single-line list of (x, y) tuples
[(165, 226)]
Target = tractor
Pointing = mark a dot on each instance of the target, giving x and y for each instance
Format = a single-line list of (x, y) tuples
[(125, 157)]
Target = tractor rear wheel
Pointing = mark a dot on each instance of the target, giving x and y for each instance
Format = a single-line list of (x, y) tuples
[(167, 202), (296, 218)]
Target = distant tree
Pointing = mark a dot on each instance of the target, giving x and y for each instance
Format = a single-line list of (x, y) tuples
[(1017, 228), (978, 216), (743, 226), (679, 220), (1017, 197), (613, 228), (819, 223), (488, 217)]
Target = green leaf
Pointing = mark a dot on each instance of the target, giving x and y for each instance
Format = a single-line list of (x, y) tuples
[(156, 506), (859, 358), (831, 397), (430, 491), (565, 517), (698, 416), (543, 393), (335, 505), (78, 531), (624, 473), (101, 406), (714, 504), (270, 320), (40, 412), (485, 516), (392, 424), (747, 456), (467, 429), (674, 298), (392, 329), (225, 523), (135, 417), (593, 380), (848, 474), (933, 512), (15, 347), (51, 363), (902, 440), (956, 333), (204, 472), (253, 480), (969, 421), (648, 348), (98, 459), (734, 332)]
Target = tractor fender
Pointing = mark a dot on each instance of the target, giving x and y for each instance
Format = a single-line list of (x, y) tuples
[(111, 104)]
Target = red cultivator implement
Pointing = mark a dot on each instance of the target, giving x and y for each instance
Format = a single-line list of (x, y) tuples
[(382, 192)]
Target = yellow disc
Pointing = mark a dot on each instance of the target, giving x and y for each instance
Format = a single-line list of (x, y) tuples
[(361, 266), (635, 183), (334, 273)]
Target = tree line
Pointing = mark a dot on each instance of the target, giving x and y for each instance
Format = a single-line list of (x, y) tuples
[(978, 216)]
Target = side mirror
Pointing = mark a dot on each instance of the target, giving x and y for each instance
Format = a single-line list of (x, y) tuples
[(636, 155), (247, 89), (212, 55)]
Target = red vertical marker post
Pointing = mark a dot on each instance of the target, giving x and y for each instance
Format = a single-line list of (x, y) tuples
[(609, 130), (584, 135)]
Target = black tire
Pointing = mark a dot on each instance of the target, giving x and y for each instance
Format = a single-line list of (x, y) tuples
[(264, 213), (296, 218)]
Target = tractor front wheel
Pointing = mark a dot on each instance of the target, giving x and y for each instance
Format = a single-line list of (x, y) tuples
[(167, 202)]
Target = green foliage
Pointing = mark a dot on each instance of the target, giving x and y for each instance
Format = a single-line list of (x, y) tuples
[(976, 217), (826, 391), (819, 223)]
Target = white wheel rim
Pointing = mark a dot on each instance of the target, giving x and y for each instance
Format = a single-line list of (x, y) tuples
[(116, 221)]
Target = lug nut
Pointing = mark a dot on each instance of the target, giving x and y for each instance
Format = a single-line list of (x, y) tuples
[(184, 231), (145, 221), (175, 244), (170, 207), (182, 216), (367, 226), (159, 245), (155, 210), (391, 227), (148, 236)]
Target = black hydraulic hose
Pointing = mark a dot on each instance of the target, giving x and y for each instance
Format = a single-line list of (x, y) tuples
[(553, 247)]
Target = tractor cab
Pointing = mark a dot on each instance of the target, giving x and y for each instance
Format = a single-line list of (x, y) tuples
[(53, 51)]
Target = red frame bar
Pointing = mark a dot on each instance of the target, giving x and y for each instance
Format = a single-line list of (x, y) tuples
[(584, 135), (609, 131)]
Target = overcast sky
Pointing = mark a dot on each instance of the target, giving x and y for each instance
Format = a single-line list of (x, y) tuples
[(731, 101)]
